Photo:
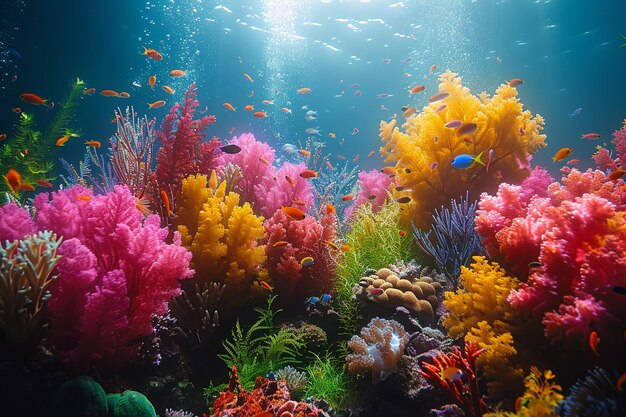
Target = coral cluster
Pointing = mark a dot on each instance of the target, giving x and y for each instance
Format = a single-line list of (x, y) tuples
[(296, 380), (596, 394), (419, 295), (423, 153), (378, 349), (374, 188), (604, 158)]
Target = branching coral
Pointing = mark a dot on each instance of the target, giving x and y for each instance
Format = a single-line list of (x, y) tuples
[(423, 154), (378, 349), (284, 188), (196, 310), (305, 238), (222, 235), (333, 184), (15, 223), (603, 157), (374, 188), (26, 273)]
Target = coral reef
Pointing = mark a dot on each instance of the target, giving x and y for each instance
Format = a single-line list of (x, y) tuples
[(284, 188), (423, 155), (604, 158), (332, 185), (419, 295), (374, 187), (595, 395), (196, 310), (378, 349), (305, 238), (314, 337), (26, 273), (455, 240), (80, 396), (15, 223), (131, 404), (296, 380)]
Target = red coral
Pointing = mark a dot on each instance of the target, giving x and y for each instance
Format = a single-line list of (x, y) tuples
[(464, 390), (307, 237)]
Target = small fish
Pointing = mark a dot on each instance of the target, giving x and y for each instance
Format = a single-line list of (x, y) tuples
[(441, 108), (152, 81), (591, 136), (168, 89), (404, 200), (562, 154), (573, 162), (340, 156), (515, 82), (251, 94), (371, 197), (249, 78), (93, 143), (330, 166), (388, 170), (229, 106), (575, 112), (312, 131), (407, 170), (432, 68), (434, 165), (267, 287), (498, 59), (594, 340), (384, 95), (44, 183), (290, 180), (466, 129), (264, 161), (387, 61), (622, 379), (348, 197), (330, 209), (137, 84), (438, 97), (468, 140), (453, 123), (304, 152), (151, 53), (521, 131), (308, 173), (156, 104), (406, 74), (355, 131), (332, 135), (489, 159), (166, 203), (88, 91), (312, 300), (409, 59), (534, 264), (268, 102), (345, 248), (465, 161), (417, 89), (280, 243), (24, 186), (13, 178), (230, 149), (83, 197), (299, 203), (17, 110), (619, 290), (617, 174), (410, 111), (248, 107), (402, 233), (358, 92), (3, 136), (259, 115), (177, 73), (124, 94), (452, 373), (304, 90), (370, 154), (232, 129), (375, 292), (109, 93), (286, 110), (356, 158), (310, 118), (61, 141), (294, 212), (518, 403), (325, 298), (34, 99), (307, 261), (331, 244)]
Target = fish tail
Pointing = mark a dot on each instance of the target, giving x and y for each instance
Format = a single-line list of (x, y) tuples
[(145, 51), (478, 158)]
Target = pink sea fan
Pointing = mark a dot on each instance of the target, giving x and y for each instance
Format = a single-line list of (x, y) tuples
[(255, 160), (116, 273), (308, 237), (15, 223), (277, 191), (374, 186)]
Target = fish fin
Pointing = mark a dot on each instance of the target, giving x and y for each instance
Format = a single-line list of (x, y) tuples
[(145, 51), (478, 159)]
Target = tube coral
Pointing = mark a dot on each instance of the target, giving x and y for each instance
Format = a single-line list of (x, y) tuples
[(378, 349), (422, 155)]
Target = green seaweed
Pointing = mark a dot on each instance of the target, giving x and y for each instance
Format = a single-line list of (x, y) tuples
[(261, 348), (328, 380), (375, 242), (65, 115)]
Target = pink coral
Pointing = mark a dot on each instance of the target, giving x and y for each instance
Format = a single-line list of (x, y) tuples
[(285, 188), (374, 186), (603, 157), (308, 237), (15, 223), (116, 273), (255, 160)]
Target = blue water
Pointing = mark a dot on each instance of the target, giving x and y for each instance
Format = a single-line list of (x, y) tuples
[(567, 53)]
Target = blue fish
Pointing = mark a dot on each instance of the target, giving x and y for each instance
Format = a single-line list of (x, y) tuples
[(325, 298), (576, 112), (465, 161), (312, 300)]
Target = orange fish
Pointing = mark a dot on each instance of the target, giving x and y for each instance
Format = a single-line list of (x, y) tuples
[(410, 112), (438, 97), (109, 93), (152, 81), (267, 102), (280, 243), (263, 160), (308, 173), (332, 135), (177, 73), (573, 161), (83, 197), (13, 178), (88, 91), (3, 136), (166, 203), (156, 104), (432, 68), (417, 89), (34, 99), (249, 78), (248, 107), (152, 54), (330, 166), (518, 404), (617, 174), (591, 136), (347, 197), (304, 152), (330, 209), (331, 244), (61, 141), (594, 340), (402, 233), (515, 82), (168, 89), (388, 170), (290, 180), (562, 154), (294, 212), (229, 106), (304, 90), (93, 143), (124, 94), (299, 203), (17, 110), (286, 110), (620, 382), (345, 248), (466, 129), (44, 183), (468, 140), (267, 287), (259, 114), (26, 187)]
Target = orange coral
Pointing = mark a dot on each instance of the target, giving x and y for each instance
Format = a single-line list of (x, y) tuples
[(423, 153)]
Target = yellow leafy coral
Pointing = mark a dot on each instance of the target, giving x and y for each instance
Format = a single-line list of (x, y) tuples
[(222, 236), (423, 153), (480, 312)]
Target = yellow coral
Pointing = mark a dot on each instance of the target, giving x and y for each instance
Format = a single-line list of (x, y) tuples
[(221, 234), (503, 126)]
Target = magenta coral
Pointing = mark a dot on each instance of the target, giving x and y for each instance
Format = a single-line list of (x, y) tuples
[(15, 223), (285, 188), (603, 157), (116, 273), (374, 186), (293, 281)]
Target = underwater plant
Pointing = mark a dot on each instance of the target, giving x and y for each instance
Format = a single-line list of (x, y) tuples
[(503, 133), (261, 348), (26, 273), (328, 381), (595, 395), (196, 310), (296, 380), (331, 186), (455, 238)]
